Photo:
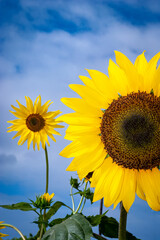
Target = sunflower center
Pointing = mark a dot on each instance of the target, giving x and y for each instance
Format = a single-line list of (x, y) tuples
[(35, 122), (130, 131), (137, 130)]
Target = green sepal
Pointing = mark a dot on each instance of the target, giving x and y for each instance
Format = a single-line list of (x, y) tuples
[(88, 194), (74, 183), (152, 92)]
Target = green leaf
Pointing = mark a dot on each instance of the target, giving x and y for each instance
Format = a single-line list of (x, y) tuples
[(74, 183), (88, 194), (109, 228), (94, 220), (74, 228), (54, 208), (58, 220), (23, 206), (131, 237)]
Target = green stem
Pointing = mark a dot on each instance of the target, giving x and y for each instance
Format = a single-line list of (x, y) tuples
[(73, 205), (47, 169), (47, 181), (81, 199), (99, 237), (100, 212), (122, 223), (16, 229), (41, 232), (83, 205)]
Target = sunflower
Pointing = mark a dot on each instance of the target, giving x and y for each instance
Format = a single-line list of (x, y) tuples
[(47, 197), (34, 123), (115, 131), (2, 234)]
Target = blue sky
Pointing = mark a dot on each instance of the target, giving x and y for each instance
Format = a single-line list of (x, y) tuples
[(45, 46)]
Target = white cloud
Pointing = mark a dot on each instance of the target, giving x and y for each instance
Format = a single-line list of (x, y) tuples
[(51, 61)]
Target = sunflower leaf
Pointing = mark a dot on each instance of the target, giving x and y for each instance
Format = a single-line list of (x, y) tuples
[(23, 206), (109, 228), (58, 220), (75, 227), (54, 208), (95, 220)]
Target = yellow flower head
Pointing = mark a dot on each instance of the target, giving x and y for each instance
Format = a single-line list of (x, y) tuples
[(115, 131), (47, 197), (43, 201), (34, 123), (2, 234)]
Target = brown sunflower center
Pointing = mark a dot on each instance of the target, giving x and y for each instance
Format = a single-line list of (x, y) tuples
[(130, 130), (35, 122)]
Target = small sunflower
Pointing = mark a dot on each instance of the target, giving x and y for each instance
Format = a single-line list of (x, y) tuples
[(43, 201), (115, 131), (47, 197), (34, 123), (2, 234)]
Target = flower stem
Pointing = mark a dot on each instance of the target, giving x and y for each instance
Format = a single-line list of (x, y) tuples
[(16, 229), (83, 205), (100, 212), (42, 230), (99, 237), (47, 169), (73, 205), (122, 223), (80, 203)]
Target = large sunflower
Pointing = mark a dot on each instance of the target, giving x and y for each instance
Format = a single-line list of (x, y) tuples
[(115, 131), (34, 123)]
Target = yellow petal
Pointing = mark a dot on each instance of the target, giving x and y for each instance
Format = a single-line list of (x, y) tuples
[(79, 119), (118, 78), (88, 82), (99, 178), (129, 186), (29, 104), (81, 106), (151, 195), (87, 162), (30, 139), (103, 85), (35, 105), (90, 96), (131, 73), (150, 80), (80, 146), (74, 132), (141, 64)]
